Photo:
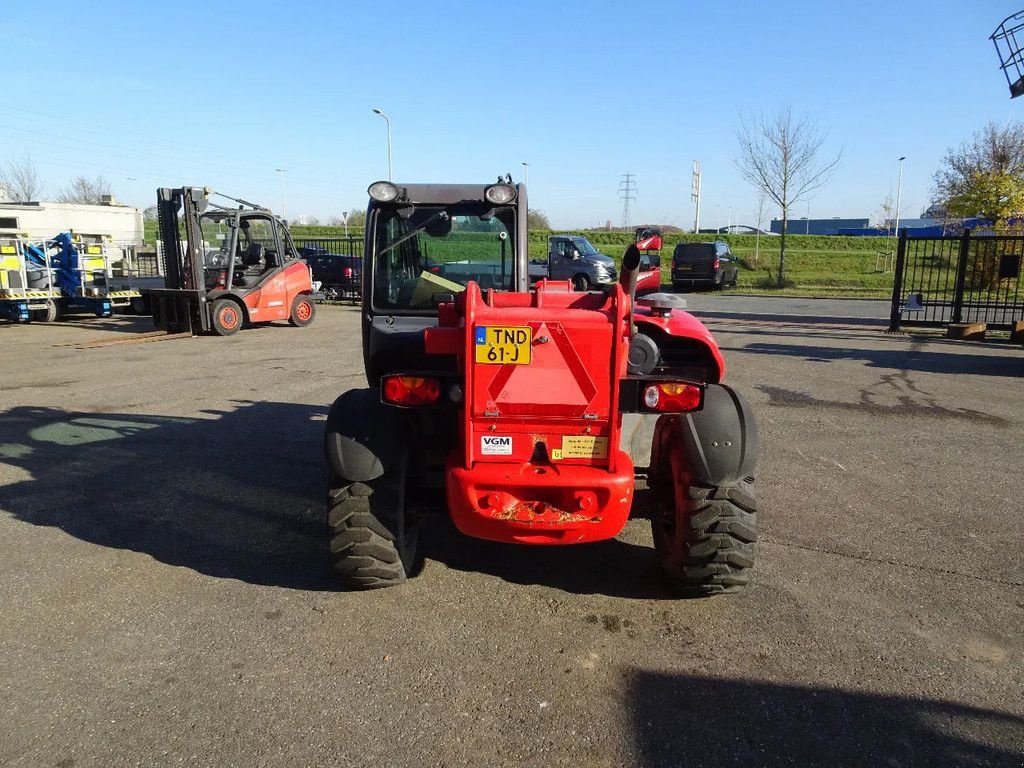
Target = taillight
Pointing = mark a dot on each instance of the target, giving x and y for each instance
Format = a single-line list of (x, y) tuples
[(347, 272), (717, 264), (673, 397), (411, 390)]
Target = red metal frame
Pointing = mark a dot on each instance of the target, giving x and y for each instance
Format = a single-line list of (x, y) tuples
[(555, 474), (538, 460), (683, 325)]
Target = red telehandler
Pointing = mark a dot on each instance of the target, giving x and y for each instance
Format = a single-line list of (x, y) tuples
[(528, 413)]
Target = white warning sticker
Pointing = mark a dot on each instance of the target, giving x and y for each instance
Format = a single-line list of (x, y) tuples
[(496, 445)]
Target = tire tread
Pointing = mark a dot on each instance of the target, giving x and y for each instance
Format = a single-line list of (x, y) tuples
[(363, 551)]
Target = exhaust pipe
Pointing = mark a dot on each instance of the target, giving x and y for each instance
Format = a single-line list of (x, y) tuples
[(627, 278), (643, 352)]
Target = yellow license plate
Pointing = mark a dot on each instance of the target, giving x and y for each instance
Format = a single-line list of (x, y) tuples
[(503, 345)]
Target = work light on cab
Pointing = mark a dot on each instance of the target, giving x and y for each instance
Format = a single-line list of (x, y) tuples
[(383, 191), (673, 397), (411, 390), (500, 194)]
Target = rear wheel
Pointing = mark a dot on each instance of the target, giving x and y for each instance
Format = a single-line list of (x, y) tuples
[(48, 315), (227, 317), (704, 535), (303, 311), (373, 538), (581, 283)]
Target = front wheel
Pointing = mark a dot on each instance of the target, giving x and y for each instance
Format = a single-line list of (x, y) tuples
[(581, 283), (303, 311), (704, 535), (227, 317)]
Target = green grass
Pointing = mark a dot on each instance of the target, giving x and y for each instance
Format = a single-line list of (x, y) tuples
[(816, 265)]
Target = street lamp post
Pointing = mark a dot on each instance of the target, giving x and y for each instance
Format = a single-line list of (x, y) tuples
[(899, 191), (526, 174), (280, 173), (388, 122)]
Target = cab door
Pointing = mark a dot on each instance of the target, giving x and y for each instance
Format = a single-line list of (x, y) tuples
[(269, 299), (560, 265)]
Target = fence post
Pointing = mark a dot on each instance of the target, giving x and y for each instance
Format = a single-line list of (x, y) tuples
[(897, 282), (961, 277)]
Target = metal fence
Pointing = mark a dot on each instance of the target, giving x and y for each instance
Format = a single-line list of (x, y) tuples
[(337, 263), (965, 279)]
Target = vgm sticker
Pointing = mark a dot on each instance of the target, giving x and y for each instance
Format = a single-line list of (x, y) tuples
[(496, 445)]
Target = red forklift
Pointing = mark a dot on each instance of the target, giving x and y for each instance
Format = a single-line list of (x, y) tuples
[(528, 414), (226, 266)]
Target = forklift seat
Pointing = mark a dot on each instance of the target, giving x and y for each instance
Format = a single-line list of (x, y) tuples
[(253, 258)]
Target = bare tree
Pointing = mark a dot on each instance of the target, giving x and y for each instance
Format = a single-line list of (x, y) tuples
[(150, 213), (885, 215), (83, 190), (20, 179), (779, 156)]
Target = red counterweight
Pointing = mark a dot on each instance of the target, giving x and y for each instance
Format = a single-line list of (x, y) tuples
[(539, 459)]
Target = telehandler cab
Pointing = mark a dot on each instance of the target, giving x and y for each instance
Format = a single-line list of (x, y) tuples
[(226, 266), (529, 414)]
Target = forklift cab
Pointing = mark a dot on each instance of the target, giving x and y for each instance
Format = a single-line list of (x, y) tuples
[(250, 247)]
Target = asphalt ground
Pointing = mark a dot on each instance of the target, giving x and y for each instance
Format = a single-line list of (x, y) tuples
[(165, 598)]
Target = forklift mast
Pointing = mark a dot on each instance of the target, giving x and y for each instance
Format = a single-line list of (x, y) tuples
[(184, 260)]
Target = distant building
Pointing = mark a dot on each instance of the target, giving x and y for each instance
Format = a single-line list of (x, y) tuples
[(805, 226), (40, 220)]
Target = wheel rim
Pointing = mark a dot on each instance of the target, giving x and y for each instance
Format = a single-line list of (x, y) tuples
[(303, 311), (228, 317), (673, 503)]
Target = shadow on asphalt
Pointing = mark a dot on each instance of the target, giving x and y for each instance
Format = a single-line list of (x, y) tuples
[(938, 358), (119, 323), (614, 568), (237, 494), (707, 721), (794, 320), (241, 494)]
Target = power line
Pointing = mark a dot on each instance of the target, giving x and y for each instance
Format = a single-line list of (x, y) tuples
[(627, 193)]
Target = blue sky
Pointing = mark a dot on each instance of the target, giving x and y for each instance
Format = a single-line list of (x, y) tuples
[(223, 94)]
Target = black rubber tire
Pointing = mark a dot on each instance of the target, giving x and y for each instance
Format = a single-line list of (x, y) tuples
[(49, 315), (227, 317), (580, 283), (303, 311), (704, 536), (373, 542)]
